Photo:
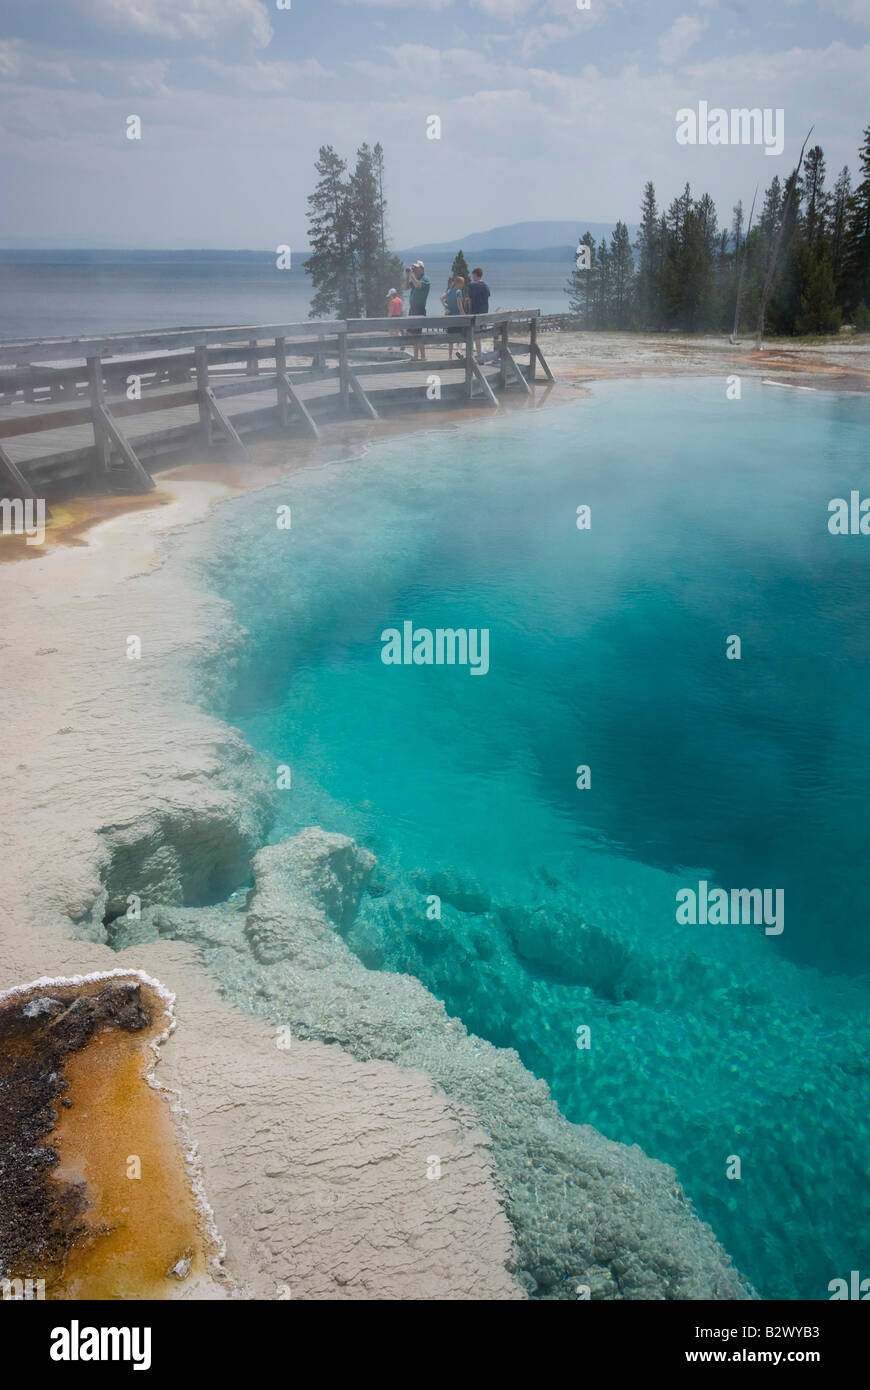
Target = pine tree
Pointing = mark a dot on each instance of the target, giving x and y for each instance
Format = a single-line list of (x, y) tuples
[(819, 312), (793, 259), (856, 250), (331, 263), (815, 197), (460, 267), (838, 219), (771, 214), (351, 266), (603, 286), (390, 266), (621, 278), (366, 223), (582, 285), (649, 249)]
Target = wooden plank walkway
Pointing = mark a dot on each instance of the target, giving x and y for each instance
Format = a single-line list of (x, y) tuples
[(215, 385), (28, 447)]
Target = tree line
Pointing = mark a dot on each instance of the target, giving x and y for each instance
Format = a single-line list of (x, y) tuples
[(800, 264)]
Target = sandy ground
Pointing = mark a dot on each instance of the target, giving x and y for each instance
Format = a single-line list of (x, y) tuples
[(314, 1164), (841, 363)]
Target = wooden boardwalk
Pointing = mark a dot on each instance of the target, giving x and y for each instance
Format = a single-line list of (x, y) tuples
[(94, 413)]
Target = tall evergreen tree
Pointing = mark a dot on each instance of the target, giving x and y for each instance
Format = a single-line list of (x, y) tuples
[(818, 307), (330, 232), (649, 248), (603, 286), (771, 215), (815, 198), (841, 202), (621, 278), (460, 267), (856, 250), (366, 220), (581, 286), (390, 267), (350, 264)]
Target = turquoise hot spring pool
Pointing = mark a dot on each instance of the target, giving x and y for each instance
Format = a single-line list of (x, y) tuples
[(608, 649)]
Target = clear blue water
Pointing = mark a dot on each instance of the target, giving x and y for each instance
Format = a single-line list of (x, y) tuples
[(607, 648)]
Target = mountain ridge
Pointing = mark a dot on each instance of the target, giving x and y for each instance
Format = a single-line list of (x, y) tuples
[(519, 236)]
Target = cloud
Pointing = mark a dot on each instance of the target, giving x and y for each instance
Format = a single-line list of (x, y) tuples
[(683, 34), (10, 58), (30, 66), (504, 9), (402, 4), (205, 20), (260, 78), (858, 11)]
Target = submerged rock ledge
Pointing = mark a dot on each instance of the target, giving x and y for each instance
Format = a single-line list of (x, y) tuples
[(319, 1162), (585, 1211)]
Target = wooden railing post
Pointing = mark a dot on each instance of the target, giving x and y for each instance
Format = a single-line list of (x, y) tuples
[(502, 359), (343, 375), (253, 365), (469, 360), (200, 357), (280, 369), (102, 441), (533, 350)]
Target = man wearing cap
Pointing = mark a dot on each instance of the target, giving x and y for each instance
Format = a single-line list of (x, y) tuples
[(418, 284)]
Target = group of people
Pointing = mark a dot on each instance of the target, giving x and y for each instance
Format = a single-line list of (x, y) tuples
[(457, 299)]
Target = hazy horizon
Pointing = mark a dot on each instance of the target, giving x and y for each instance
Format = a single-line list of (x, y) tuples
[(541, 105)]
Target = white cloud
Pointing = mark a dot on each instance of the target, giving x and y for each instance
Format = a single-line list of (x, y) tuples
[(402, 4), (262, 78), (504, 9), (31, 66), (683, 34), (858, 11), (205, 20), (10, 58)]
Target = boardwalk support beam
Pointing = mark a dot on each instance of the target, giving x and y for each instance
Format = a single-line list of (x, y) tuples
[(102, 438), (285, 387), (200, 359), (223, 422), (17, 478), (122, 444), (487, 389), (511, 361), (543, 361), (362, 397)]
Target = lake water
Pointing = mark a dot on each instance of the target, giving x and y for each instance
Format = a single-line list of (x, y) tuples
[(65, 294), (607, 648)]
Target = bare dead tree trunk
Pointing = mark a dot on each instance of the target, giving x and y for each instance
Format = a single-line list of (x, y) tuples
[(743, 266), (771, 269)]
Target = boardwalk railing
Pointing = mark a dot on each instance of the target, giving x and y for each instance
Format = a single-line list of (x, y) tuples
[(91, 411)]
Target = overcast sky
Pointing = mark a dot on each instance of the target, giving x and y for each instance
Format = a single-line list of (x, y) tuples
[(547, 112)]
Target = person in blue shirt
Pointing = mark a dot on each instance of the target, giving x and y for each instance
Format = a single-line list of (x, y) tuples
[(478, 293), (418, 284), (454, 303)]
